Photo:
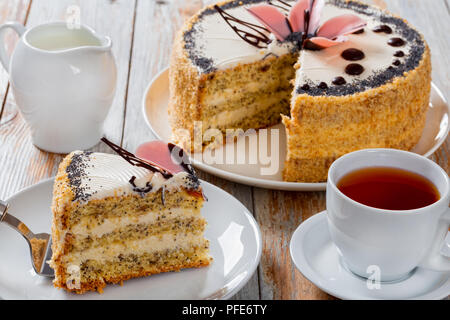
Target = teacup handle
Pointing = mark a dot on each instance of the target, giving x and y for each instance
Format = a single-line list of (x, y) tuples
[(17, 27), (435, 260)]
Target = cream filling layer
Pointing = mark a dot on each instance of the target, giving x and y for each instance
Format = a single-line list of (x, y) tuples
[(150, 245), (87, 227), (230, 117), (224, 95), (227, 95)]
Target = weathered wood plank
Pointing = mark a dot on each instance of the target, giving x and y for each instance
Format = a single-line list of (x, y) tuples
[(431, 18), (151, 50), (10, 10), (278, 214), (22, 163)]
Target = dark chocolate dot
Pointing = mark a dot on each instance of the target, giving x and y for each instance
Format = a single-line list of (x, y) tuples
[(322, 85), (339, 81), (305, 87), (383, 28), (390, 67), (265, 68), (359, 31), (354, 69), (396, 42), (399, 54), (352, 54), (396, 63)]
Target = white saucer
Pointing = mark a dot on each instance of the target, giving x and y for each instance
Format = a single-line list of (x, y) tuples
[(234, 236), (317, 258), (155, 103)]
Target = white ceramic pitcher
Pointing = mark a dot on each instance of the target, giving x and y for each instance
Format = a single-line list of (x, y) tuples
[(63, 79)]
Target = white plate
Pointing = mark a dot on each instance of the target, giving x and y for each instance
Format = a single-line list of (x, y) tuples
[(155, 103), (234, 236), (317, 258)]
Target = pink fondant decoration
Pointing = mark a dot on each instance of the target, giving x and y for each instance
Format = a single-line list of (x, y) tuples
[(325, 42), (314, 19), (272, 19), (297, 15), (329, 34), (158, 153), (340, 25)]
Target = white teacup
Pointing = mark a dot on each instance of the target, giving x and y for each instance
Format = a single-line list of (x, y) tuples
[(390, 242), (63, 78)]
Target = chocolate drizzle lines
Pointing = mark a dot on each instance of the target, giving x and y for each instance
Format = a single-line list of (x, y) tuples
[(191, 181), (135, 161), (257, 38), (183, 159), (285, 6), (306, 22), (148, 187), (255, 35), (306, 44)]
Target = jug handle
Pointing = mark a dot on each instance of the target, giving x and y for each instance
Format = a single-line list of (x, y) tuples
[(19, 29)]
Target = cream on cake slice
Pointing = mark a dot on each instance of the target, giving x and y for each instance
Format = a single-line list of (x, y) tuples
[(117, 217)]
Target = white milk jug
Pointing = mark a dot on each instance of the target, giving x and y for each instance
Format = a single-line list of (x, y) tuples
[(63, 79)]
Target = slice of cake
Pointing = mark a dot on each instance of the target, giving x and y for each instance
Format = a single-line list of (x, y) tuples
[(117, 217), (344, 75)]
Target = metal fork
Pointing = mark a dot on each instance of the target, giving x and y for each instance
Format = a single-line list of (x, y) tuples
[(40, 244)]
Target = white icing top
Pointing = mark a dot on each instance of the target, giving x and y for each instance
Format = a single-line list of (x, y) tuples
[(326, 64), (104, 175), (215, 40), (225, 47)]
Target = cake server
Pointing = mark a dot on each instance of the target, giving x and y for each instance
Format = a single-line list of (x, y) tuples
[(40, 244)]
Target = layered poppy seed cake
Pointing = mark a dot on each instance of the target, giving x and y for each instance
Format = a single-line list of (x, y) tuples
[(342, 75), (371, 91), (117, 217)]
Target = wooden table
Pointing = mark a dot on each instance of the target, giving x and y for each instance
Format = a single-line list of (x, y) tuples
[(142, 33)]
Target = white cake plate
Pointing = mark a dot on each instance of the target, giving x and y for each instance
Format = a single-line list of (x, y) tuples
[(155, 103), (235, 242)]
